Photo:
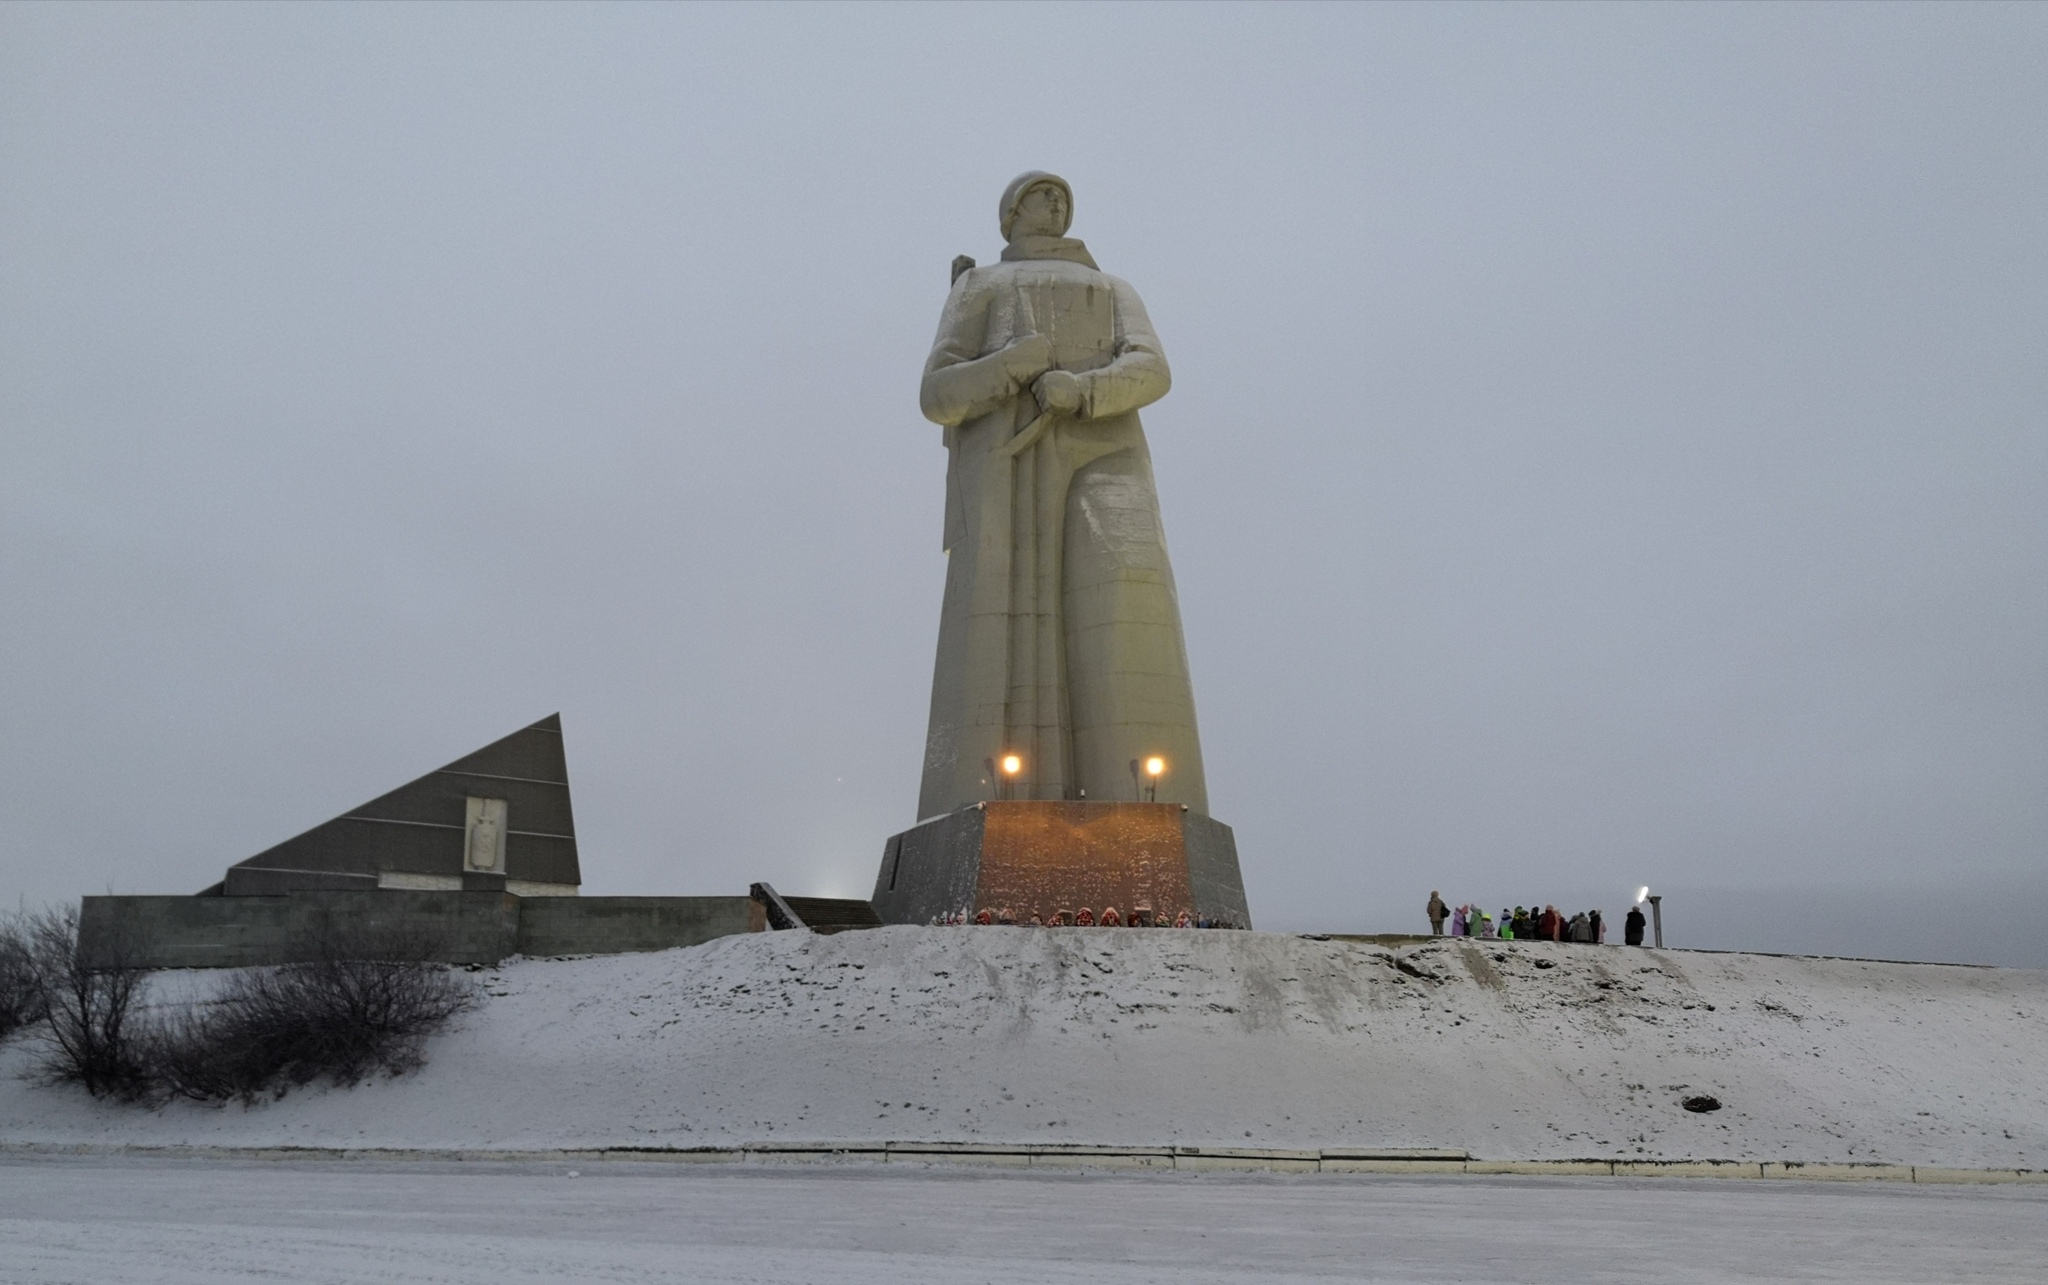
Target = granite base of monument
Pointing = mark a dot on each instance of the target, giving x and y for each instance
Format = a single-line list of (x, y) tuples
[(1154, 861)]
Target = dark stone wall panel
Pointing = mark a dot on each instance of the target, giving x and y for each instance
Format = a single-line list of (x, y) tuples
[(254, 881), (418, 828), (534, 753), (442, 798), (1213, 870), (541, 859), (931, 869), (365, 847)]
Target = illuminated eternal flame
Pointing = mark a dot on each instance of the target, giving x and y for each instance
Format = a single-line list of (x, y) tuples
[(1060, 651)]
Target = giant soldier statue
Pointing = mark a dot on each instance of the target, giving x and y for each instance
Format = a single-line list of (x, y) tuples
[(1062, 774), (1060, 648)]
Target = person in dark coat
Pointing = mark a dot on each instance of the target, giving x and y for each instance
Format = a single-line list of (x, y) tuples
[(1438, 912), (1632, 927)]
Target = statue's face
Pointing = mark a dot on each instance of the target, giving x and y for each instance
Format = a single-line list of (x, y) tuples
[(1041, 211)]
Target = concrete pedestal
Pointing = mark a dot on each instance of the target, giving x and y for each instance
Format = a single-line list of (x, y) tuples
[(1046, 857)]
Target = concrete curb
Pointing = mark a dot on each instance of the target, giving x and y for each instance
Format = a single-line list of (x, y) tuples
[(1349, 1160)]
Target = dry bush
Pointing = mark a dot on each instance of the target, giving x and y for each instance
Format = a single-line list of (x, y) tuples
[(91, 1033), (21, 1002), (362, 1002)]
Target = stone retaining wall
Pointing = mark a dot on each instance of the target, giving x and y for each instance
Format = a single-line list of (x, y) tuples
[(467, 927)]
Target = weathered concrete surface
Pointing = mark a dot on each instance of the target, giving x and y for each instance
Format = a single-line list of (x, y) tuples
[(930, 869), (1213, 871), (620, 925), (480, 927), (460, 927), (1060, 634)]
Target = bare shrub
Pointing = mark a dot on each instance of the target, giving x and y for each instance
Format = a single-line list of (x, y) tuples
[(91, 1034), (360, 1003), (21, 1003)]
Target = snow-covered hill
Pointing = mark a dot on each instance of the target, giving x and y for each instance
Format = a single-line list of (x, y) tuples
[(1130, 1037)]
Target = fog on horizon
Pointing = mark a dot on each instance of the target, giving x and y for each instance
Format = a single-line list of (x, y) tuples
[(1607, 445)]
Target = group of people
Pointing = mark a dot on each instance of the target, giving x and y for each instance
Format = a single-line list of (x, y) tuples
[(1527, 923), (1110, 917)]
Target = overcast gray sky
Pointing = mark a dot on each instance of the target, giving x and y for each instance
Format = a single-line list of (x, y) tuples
[(1607, 444)]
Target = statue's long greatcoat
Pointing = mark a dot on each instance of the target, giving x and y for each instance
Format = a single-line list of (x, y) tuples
[(1060, 640)]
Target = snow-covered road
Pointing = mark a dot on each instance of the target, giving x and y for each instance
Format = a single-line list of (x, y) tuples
[(113, 1221)]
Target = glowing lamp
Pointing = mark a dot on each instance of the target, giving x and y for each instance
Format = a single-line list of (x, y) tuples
[(1155, 766), (1012, 764)]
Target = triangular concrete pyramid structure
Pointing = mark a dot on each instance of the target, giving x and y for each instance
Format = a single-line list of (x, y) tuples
[(497, 818)]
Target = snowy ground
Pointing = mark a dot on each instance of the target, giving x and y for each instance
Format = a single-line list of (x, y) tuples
[(116, 1222), (1509, 1051)]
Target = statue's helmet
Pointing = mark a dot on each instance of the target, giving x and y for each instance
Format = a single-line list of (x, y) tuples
[(1014, 193)]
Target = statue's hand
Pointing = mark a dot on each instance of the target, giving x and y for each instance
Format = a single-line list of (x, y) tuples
[(1027, 358), (1058, 392)]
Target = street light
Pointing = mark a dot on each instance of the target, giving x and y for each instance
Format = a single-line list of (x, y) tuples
[(1012, 764), (1656, 912), (1155, 767)]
